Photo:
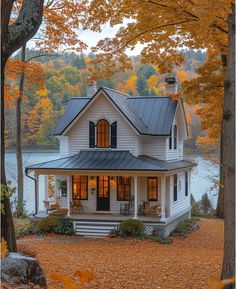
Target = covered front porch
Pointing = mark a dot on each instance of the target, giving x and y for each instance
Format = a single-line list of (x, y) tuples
[(108, 195)]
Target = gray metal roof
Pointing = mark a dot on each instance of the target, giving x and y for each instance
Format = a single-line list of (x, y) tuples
[(109, 160), (149, 115)]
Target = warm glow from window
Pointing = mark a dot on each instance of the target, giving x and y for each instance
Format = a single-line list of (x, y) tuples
[(123, 188), (80, 188), (152, 189), (103, 133)]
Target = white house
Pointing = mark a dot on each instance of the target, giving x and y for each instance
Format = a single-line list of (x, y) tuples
[(121, 158)]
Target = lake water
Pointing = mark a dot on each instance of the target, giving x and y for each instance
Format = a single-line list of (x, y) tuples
[(201, 178)]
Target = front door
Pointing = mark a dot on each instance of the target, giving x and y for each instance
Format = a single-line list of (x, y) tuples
[(103, 193)]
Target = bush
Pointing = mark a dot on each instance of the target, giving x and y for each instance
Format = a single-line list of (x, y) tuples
[(131, 228), (61, 212), (184, 227), (65, 227), (161, 239), (48, 224)]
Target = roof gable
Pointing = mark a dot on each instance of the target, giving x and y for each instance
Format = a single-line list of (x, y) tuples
[(148, 115)]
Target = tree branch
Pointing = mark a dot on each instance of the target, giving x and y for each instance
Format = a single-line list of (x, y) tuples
[(40, 55)]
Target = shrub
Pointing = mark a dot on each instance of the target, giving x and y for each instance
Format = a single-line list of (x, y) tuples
[(131, 228), (206, 204), (48, 224), (65, 227), (184, 227), (161, 239)]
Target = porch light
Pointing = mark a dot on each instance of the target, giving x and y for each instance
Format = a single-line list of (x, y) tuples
[(92, 182), (112, 182)]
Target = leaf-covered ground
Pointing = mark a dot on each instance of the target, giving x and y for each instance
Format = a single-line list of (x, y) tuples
[(187, 263)]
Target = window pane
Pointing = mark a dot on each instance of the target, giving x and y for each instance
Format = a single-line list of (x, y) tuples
[(103, 133), (80, 187), (123, 188), (152, 188)]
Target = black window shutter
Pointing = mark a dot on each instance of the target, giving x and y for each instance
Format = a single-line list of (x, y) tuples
[(175, 187), (92, 134), (114, 134)]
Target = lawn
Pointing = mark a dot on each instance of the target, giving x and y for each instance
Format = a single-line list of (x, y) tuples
[(187, 263)]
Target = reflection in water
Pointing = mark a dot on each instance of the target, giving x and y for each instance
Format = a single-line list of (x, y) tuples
[(201, 178)]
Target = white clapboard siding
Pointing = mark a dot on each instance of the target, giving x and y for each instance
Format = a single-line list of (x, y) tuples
[(153, 146), (78, 135), (183, 202), (64, 146)]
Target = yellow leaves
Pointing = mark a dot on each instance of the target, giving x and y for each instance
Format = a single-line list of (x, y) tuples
[(216, 283), (85, 276), (42, 92), (152, 83), (3, 248)]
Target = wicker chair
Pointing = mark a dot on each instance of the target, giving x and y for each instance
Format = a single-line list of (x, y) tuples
[(76, 207)]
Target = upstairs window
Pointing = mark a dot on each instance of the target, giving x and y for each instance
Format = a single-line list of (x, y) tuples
[(175, 188), (102, 134), (175, 136), (170, 140)]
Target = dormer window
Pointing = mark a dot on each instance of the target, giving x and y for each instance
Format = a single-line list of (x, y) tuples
[(102, 134)]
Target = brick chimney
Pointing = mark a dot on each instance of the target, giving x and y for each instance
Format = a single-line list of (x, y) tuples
[(171, 84), (91, 88)]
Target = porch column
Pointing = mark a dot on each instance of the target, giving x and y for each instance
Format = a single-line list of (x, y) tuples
[(135, 197), (36, 193), (163, 198), (68, 193), (46, 188)]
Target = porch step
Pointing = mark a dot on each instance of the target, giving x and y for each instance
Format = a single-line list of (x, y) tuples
[(94, 228)]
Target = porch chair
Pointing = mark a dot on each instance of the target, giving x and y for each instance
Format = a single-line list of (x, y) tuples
[(155, 210), (127, 208), (76, 207), (145, 208)]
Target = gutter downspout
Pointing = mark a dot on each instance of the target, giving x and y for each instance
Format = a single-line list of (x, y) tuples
[(35, 190)]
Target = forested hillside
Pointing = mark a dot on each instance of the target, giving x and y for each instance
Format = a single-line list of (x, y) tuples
[(51, 81)]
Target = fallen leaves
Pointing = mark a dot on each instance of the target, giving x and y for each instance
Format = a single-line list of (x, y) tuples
[(106, 263)]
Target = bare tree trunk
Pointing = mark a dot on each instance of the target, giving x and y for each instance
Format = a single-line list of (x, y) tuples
[(220, 202), (228, 156), (20, 176), (12, 38), (7, 227)]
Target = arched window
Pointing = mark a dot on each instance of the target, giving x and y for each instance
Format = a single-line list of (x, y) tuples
[(103, 133)]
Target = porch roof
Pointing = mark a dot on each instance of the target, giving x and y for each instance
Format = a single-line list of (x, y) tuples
[(110, 160)]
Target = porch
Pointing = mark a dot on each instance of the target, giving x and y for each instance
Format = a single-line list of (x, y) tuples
[(108, 197)]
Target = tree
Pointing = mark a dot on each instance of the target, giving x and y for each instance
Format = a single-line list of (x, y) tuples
[(228, 156), (164, 27), (59, 29), (206, 203), (13, 37)]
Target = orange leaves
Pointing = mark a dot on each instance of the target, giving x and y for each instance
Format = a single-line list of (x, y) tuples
[(85, 276), (3, 248), (68, 283), (216, 283), (133, 264)]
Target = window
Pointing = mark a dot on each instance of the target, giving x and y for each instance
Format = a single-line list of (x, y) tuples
[(103, 183), (106, 134), (175, 136), (63, 187), (186, 184), (123, 188), (103, 134), (152, 188), (170, 140), (80, 187), (175, 187)]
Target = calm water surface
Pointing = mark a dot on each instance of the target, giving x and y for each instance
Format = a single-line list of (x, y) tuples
[(201, 178)]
